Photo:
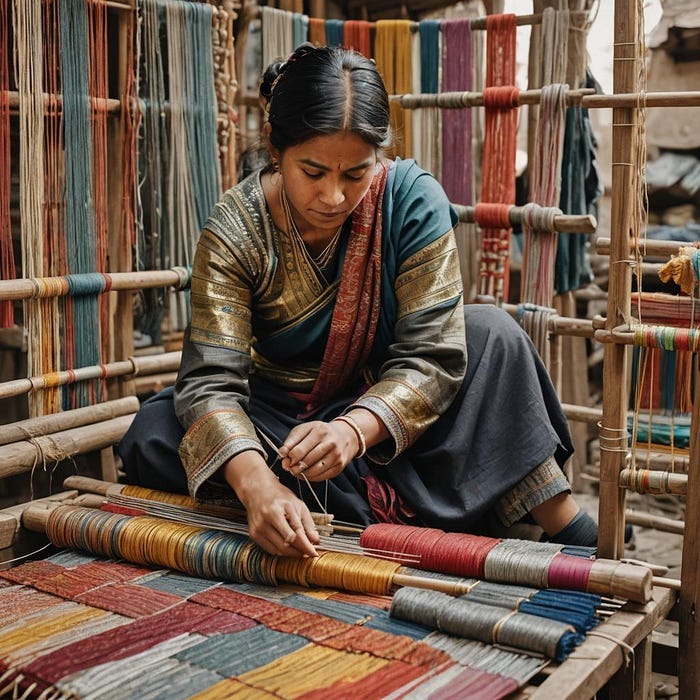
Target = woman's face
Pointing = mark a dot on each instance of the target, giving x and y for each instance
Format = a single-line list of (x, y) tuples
[(325, 178)]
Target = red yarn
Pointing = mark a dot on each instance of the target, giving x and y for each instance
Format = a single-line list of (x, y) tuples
[(569, 572), (498, 164)]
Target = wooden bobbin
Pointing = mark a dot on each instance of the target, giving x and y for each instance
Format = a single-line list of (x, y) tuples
[(654, 481), (620, 580)]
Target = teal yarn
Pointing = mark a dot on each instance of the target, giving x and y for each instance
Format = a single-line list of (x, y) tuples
[(81, 243), (300, 29), (334, 32), (429, 32)]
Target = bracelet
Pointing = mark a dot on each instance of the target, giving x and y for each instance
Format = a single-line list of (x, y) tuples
[(361, 441)]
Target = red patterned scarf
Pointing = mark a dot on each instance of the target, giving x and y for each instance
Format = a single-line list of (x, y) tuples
[(356, 313)]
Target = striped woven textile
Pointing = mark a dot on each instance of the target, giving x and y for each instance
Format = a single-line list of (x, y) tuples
[(74, 626)]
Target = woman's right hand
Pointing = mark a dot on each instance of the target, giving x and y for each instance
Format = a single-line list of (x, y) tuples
[(278, 521)]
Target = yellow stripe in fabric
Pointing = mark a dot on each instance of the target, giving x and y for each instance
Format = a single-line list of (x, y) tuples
[(233, 689), (312, 668), (27, 633)]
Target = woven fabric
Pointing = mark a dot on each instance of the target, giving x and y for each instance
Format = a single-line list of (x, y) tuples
[(74, 626)]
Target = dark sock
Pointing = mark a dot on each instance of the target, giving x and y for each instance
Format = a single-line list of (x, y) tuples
[(581, 530)]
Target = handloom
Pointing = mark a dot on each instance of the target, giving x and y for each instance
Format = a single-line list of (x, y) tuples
[(184, 636), (537, 564)]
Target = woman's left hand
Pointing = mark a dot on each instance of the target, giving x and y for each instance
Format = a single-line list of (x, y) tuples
[(318, 450)]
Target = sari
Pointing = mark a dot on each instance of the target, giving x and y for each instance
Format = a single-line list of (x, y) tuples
[(462, 434)]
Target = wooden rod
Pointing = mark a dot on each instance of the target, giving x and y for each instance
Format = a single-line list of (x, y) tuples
[(460, 100), (663, 582), (654, 522), (583, 98), (478, 23), (642, 100), (646, 247), (563, 223), (624, 335), (584, 414), (654, 481), (149, 364), (56, 422), (561, 325), (27, 287), (20, 457), (86, 484), (624, 183), (54, 103)]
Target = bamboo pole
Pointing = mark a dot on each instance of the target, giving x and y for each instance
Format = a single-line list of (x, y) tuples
[(20, 457), (149, 364), (615, 359), (583, 97), (563, 223), (56, 422), (27, 287), (646, 247), (654, 522)]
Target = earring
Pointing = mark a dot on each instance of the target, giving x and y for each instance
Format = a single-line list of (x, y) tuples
[(275, 166)]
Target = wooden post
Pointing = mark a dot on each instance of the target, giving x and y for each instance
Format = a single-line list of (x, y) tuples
[(689, 629), (615, 359)]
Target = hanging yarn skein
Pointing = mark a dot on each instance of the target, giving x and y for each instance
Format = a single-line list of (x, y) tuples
[(498, 162)]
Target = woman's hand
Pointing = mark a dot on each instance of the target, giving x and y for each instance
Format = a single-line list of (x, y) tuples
[(278, 521), (319, 450)]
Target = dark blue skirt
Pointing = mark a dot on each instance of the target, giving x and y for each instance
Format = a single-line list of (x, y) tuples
[(504, 422)]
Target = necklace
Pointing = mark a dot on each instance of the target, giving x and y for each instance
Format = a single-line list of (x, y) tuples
[(323, 259)]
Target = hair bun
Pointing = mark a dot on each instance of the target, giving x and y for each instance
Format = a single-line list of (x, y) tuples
[(271, 74)]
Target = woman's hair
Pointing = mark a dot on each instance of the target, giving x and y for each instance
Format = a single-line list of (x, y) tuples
[(324, 90)]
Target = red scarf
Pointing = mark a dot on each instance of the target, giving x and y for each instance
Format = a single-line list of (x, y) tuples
[(356, 313)]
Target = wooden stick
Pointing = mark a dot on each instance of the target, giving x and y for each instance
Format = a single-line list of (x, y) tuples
[(560, 325), (86, 484), (56, 422), (150, 364), (663, 582), (20, 457), (26, 288), (654, 522), (54, 103), (646, 247), (581, 98), (615, 359), (563, 223), (460, 100)]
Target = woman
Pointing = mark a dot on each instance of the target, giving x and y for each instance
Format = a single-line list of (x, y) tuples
[(327, 341)]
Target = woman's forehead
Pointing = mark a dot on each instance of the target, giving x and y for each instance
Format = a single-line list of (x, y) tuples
[(344, 150)]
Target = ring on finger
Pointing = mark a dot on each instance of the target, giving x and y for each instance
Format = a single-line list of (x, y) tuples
[(303, 466)]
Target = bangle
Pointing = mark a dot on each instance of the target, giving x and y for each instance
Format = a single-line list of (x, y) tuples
[(361, 441)]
